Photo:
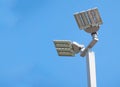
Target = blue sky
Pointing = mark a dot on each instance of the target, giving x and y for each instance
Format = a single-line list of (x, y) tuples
[(27, 54)]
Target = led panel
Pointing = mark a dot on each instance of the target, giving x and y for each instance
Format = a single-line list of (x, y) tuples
[(79, 20), (97, 15), (91, 17), (62, 41), (88, 18), (64, 48), (66, 54), (62, 45), (85, 19)]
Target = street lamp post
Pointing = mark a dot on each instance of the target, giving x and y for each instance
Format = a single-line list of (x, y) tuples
[(90, 22), (91, 71)]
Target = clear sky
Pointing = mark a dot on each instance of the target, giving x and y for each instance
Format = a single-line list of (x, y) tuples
[(27, 54)]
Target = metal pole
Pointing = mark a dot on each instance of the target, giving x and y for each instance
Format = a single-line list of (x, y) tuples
[(91, 70)]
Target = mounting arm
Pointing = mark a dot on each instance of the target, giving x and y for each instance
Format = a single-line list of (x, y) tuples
[(92, 43)]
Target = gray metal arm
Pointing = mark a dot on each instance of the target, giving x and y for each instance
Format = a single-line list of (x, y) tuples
[(92, 43)]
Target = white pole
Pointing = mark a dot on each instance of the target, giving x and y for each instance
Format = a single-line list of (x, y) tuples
[(91, 69)]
